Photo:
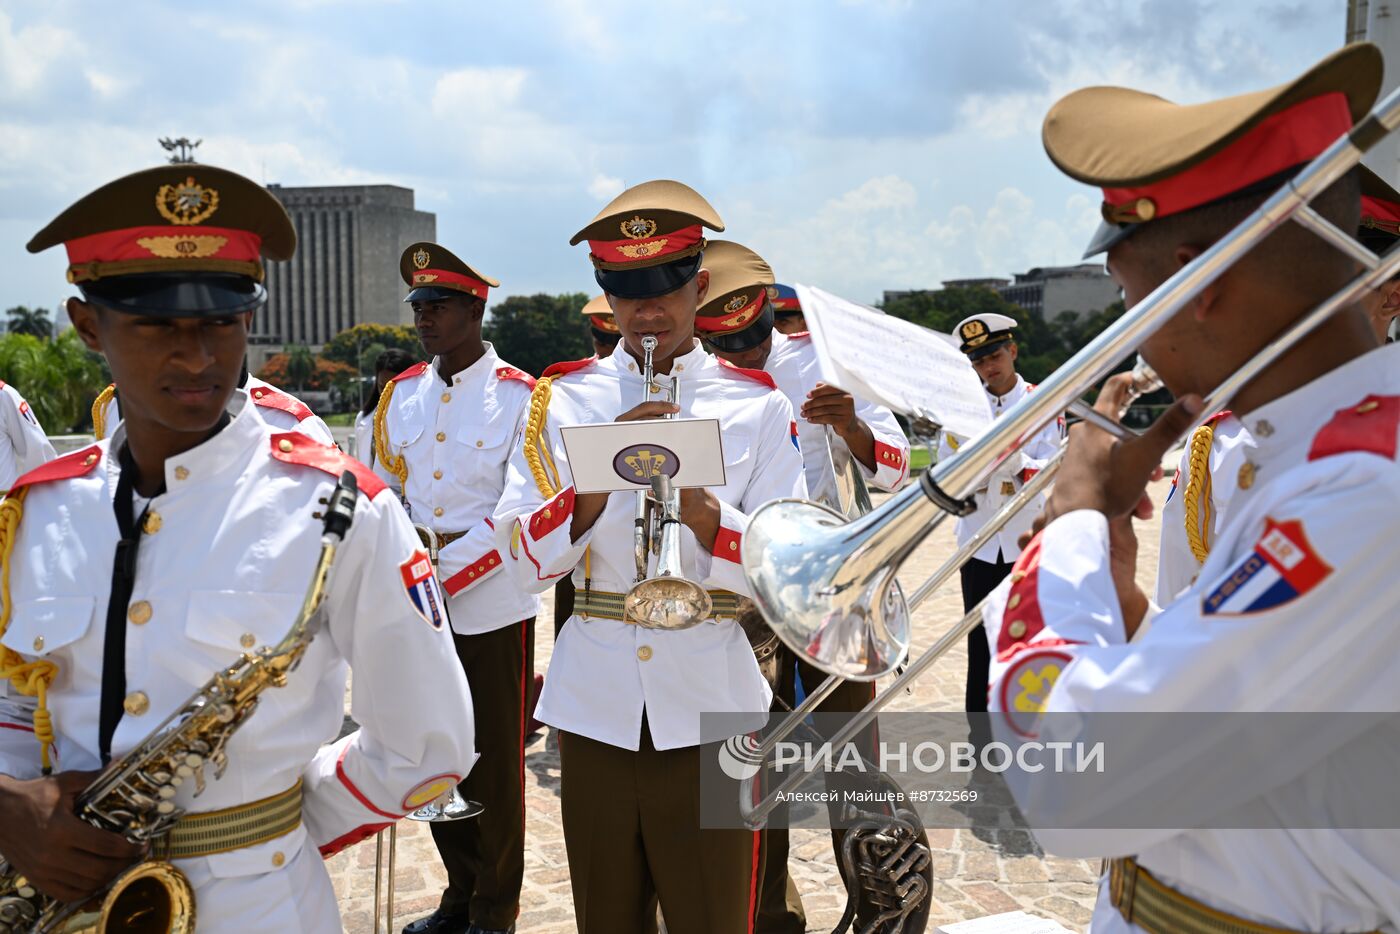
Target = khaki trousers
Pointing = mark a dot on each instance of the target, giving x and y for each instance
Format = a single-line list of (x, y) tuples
[(632, 831), (485, 855)]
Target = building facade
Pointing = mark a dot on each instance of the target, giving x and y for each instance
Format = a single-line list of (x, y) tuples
[(1046, 291), (346, 267)]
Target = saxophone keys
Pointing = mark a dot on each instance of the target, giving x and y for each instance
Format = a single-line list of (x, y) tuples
[(182, 772), (194, 760), (166, 807)]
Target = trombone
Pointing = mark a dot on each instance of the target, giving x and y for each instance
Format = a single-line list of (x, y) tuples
[(829, 589)]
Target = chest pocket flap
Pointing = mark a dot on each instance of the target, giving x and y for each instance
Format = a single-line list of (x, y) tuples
[(405, 422), (227, 619), (488, 435), (42, 627), (737, 448)]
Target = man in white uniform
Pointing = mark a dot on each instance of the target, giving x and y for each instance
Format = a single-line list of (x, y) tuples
[(444, 431), (24, 446), (1290, 613), (988, 341), (735, 323), (215, 520), (628, 699)]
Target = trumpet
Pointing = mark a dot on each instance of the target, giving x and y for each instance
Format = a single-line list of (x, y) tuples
[(664, 600), (814, 577)]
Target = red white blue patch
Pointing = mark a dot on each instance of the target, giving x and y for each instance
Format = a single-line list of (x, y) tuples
[(792, 433), (424, 592), (1282, 567), (24, 410), (1176, 477)]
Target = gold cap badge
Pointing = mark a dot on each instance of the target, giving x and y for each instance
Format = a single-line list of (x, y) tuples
[(638, 228), (420, 259), (187, 202)]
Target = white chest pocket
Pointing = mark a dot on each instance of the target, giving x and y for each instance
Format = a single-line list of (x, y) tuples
[(223, 624), (486, 435), (46, 627), (405, 424), (739, 458)]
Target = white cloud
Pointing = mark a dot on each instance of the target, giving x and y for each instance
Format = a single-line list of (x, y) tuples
[(29, 55), (604, 187)]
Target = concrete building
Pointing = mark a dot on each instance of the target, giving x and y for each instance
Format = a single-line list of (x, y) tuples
[(1378, 21), (1046, 291), (345, 271)]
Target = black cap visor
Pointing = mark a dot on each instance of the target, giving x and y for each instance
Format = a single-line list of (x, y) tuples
[(434, 293), (756, 333), (648, 281), (176, 294), (1107, 237), (990, 346)]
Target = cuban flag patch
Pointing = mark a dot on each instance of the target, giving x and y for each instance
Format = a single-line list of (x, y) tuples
[(1176, 478), (424, 592), (792, 433), (1282, 567), (29, 416)]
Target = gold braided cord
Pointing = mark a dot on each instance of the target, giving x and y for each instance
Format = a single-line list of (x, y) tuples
[(99, 410), (536, 453), (394, 463), (1196, 496), (31, 679)]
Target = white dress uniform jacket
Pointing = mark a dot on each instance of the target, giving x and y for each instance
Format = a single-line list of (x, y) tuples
[(24, 445), (226, 570), (280, 409), (794, 367), (1003, 484), (455, 435), (364, 437), (1294, 611), (1177, 567), (604, 673)]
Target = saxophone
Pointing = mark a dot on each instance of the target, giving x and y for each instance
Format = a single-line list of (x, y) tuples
[(135, 795)]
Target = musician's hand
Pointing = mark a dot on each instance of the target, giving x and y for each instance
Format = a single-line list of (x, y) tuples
[(700, 513), (43, 839), (1122, 560), (827, 405), (1110, 476), (648, 410)]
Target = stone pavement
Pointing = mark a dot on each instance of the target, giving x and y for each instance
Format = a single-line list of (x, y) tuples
[(976, 874)]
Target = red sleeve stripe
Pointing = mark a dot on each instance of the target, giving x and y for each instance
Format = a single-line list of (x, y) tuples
[(727, 544), (887, 455), (472, 573), (552, 514), (1022, 620), (20, 727), (350, 786), (350, 839)]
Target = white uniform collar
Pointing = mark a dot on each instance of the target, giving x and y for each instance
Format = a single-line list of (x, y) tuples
[(1015, 392), (692, 361), (223, 451), (487, 361)]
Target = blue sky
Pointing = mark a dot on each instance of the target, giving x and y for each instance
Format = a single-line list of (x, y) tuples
[(858, 145)]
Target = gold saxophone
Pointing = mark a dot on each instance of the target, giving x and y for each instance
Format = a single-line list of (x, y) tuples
[(135, 795)]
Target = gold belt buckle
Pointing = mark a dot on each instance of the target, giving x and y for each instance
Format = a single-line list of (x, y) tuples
[(1008, 488)]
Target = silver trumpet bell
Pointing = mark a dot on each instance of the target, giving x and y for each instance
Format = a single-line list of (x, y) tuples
[(666, 600), (824, 593), (448, 806)]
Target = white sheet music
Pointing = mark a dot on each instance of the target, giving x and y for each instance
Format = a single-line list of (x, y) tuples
[(892, 361)]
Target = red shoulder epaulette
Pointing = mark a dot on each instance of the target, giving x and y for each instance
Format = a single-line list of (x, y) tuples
[(758, 376), (293, 447), (564, 369), (1371, 426), (418, 369), (1217, 417), (796, 334), (75, 464), (510, 372), (270, 398)]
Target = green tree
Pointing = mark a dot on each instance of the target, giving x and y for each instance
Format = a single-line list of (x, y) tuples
[(25, 320), (533, 331), (59, 377), (347, 346), (301, 366)]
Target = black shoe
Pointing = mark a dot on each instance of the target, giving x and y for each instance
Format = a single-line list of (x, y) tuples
[(439, 922), (474, 929)]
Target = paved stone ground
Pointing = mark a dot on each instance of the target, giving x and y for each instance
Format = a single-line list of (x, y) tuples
[(977, 874)]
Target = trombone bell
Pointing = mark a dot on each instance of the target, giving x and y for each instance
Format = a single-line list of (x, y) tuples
[(846, 616)]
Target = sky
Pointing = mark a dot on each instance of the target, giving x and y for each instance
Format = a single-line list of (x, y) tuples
[(859, 145)]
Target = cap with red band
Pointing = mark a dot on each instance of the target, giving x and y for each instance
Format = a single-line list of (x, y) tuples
[(1154, 158), (784, 298), (600, 316), (737, 313), (174, 241), (649, 239), (1380, 212), (432, 272)]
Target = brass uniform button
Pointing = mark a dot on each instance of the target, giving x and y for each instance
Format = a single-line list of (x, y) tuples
[(733, 546), (139, 612), (1246, 475), (284, 446), (437, 511), (153, 523), (437, 474), (136, 703), (442, 436), (182, 473), (447, 397), (644, 653), (247, 640), (38, 643), (1370, 405), (478, 444), (1014, 602), (278, 859), (89, 460), (1017, 629)]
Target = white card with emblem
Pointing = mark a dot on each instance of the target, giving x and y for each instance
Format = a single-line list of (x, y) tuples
[(618, 456)]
